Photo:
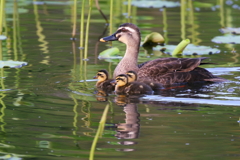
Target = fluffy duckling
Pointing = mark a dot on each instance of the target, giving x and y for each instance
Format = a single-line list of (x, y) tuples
[(130, 88), (132, 76), (103, 82)]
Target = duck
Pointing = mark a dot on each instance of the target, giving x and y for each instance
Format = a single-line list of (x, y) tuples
[(167, 71), (132, 76), (124, 87), (104, 83)]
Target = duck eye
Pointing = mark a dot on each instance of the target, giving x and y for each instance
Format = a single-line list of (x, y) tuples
[(124, 30)]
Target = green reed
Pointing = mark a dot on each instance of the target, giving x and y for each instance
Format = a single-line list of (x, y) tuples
[(82, 25), (87, 30), (129, 10), (111, 17), (74, 19), (99, 132), (2, 4)]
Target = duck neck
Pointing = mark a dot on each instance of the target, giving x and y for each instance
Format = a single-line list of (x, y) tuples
[(132, 52), (129, 61)]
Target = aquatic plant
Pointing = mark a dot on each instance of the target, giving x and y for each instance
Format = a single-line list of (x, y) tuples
[(74, 18), (180, 47), (87, 30), (2, 4), (82, 25), (99, 132)]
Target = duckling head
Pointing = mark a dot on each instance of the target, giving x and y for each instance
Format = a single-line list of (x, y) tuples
[(132, 76), (127, 33), (102, 75), (121, 80)]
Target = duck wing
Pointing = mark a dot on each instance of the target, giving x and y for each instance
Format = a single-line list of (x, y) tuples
[(163, 65), (174, 70)]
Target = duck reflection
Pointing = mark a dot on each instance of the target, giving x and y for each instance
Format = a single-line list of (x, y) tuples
[(129, 129)]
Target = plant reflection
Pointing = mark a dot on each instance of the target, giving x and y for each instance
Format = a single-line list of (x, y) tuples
[(41, 39)]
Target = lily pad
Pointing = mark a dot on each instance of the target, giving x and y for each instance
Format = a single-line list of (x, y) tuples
[(191, 49), (233, 39), (110, 53), (12, 64), (230, 30), (2, 37), (154, 4), (153, 38)]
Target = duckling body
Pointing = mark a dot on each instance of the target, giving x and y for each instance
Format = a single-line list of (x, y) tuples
[(132, 77), (103, 82), (163, 70), (130, 88)]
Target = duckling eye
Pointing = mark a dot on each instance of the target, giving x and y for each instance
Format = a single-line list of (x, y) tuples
[(129, 75)]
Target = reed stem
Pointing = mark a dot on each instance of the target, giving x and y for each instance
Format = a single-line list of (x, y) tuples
[(2, 3), (74, 19), (87, 30), (82, 25), (111, 18), (99, 132)]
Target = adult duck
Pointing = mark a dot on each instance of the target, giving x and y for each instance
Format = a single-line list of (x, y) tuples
[(163, 70)]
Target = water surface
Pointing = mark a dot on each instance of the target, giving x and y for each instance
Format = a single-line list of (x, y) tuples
[(49, 111)]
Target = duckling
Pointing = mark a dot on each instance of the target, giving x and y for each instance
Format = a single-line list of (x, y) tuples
[(166, 71), (132, 76), (103, 82), (130, 88)]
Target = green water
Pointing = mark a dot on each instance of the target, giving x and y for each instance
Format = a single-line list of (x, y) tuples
[(48, 112)]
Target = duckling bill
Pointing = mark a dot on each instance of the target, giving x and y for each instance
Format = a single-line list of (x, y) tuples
[(130, 88), (166, 71)]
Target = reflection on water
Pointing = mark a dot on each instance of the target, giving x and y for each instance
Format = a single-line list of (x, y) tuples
[(50, 109)]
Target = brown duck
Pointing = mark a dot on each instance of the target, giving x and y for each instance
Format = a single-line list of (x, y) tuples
[(104, 83), (163, 70), (123, 87)]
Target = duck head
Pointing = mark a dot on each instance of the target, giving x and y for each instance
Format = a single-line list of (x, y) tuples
[(121, 80), (132, 76), (102, 75), (126, 33)]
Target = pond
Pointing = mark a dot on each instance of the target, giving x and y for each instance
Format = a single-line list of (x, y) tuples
[(50, 108)]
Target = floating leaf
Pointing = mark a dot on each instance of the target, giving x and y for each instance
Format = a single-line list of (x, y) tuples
[(227, 39), (12, 64), (109, 53), (19, 10), (154, 4), (2, 37), (230, 30), (201, 4), (180, 47), (153, 38), (191, 49)]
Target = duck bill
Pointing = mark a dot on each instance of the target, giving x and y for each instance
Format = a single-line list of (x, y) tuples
[(109, 38)]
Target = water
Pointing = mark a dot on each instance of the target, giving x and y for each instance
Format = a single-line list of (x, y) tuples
[(49, 111)]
